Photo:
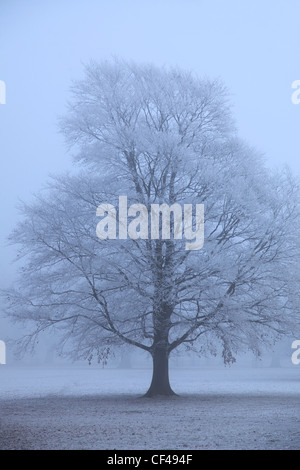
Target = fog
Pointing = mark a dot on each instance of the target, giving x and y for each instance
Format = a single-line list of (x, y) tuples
[(254, 47)]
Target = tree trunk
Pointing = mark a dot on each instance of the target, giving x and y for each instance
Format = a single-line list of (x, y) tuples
[(160, 384)]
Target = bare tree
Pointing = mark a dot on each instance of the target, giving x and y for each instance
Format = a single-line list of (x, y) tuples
[(159, 136)]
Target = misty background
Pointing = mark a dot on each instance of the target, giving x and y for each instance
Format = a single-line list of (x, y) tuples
[(254, 47)]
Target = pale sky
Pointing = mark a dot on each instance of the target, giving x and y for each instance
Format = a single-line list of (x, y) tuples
[(252, 45)]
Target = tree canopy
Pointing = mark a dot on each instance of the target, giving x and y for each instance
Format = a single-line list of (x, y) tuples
[(159, 136)]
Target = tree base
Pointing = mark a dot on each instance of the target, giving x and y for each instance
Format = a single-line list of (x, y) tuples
[(159, 393)]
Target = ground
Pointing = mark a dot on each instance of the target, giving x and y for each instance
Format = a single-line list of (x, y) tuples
[(94, 408)]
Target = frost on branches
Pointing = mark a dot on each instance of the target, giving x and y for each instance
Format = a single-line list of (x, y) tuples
[(159, 136)]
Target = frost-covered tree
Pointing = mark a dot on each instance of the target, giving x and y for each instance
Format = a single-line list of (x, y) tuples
[(159, 136)]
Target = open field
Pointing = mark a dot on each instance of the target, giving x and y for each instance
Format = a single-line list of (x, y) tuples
[(90, 408)]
